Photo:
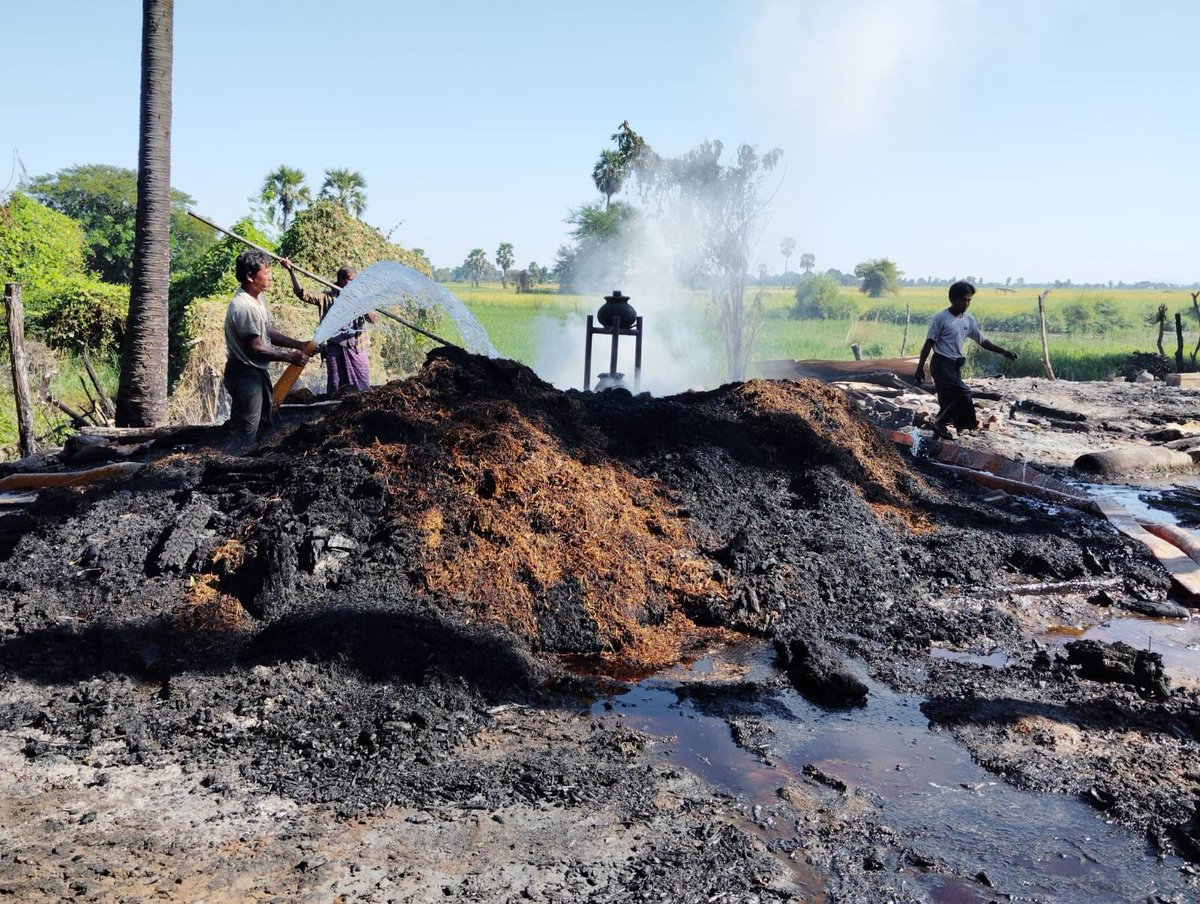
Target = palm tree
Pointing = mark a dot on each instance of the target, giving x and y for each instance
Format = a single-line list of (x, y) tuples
[(284, 192), (504, 260), (808, 260), (142, 395), (786, 247), (609, 174), (476, 264), (347, 188)]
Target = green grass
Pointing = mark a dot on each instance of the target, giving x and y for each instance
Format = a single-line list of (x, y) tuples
[(64, 386), (510, 318)]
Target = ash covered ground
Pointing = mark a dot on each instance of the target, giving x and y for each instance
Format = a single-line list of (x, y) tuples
[(360, 661)]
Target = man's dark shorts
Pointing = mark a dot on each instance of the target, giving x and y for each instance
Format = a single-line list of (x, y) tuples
[(249, 390), (954, 396)]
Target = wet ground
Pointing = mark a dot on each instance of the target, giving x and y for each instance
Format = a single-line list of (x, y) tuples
[(415, 650), (956, 832)]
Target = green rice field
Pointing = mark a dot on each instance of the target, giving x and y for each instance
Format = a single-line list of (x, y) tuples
[(1090, 331)]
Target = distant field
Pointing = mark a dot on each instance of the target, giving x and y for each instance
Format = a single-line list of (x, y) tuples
[(1083, 344)]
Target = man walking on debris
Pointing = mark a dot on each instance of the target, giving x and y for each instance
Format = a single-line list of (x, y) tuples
[(948, 330), (346, 353), (251, 344)]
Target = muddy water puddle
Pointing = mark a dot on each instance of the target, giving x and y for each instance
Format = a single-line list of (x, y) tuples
[(1176, 640), (976, 838)]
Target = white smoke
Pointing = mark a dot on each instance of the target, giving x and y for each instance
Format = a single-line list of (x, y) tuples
[(676, 355), (839, 68)]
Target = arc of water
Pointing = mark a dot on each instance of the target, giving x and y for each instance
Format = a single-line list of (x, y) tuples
[(384, 283), (389, 282)]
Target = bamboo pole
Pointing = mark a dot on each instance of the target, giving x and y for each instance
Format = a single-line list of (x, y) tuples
[(322, 281), (14, 315), (1045, 345)]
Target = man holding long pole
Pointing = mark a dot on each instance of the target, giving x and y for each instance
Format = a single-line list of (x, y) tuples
[(345, 354)]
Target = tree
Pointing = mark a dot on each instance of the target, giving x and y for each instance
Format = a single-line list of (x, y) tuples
[(142, 396), (609, 174), (819, 299), (878, 276), (476, 264), (717, 206), (786, 247), (104, 200), (504, 260), (283, 193), (347, 188), (564, 266), (38, 245), (632, 148), (807, 261), (601, 254)]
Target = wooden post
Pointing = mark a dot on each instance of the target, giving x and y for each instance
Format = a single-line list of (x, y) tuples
[(637, 358), (907, 318), (14, 315), (1178, 342), (1045, 345), (587, 357), (1196, 308)]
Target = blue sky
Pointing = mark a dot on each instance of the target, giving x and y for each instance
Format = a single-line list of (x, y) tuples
[(1046, 140)]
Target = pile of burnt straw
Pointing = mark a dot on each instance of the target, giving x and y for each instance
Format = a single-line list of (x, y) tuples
[(477, 517)]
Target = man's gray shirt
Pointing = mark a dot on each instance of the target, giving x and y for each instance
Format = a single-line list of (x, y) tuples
[(949, 333), (245, 317)]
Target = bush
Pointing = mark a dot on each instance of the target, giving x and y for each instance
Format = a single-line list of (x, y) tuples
[(324, 236), (893, 312), (1021, 322), (1109, 317), (1077, 317), (80, 311), (820, 298), (37, 246), (403, 350)]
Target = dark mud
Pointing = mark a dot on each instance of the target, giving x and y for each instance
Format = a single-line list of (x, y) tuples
[(341, 617)]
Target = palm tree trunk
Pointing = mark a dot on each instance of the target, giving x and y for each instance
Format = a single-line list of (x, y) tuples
[(142, 398)]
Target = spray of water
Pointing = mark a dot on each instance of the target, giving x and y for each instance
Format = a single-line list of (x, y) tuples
[(389, 282)]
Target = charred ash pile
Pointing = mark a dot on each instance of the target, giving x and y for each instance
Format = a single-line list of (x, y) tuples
[(359, 591)]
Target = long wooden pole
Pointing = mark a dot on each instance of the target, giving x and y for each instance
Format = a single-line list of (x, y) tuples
[(322, 281), (1045, 345), (14, 316)]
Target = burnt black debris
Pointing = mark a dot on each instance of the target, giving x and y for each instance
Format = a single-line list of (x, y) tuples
[(335, 615)]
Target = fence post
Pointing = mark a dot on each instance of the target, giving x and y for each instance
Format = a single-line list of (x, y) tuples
[(1178, 342), (14, 316), (1045, 345)]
